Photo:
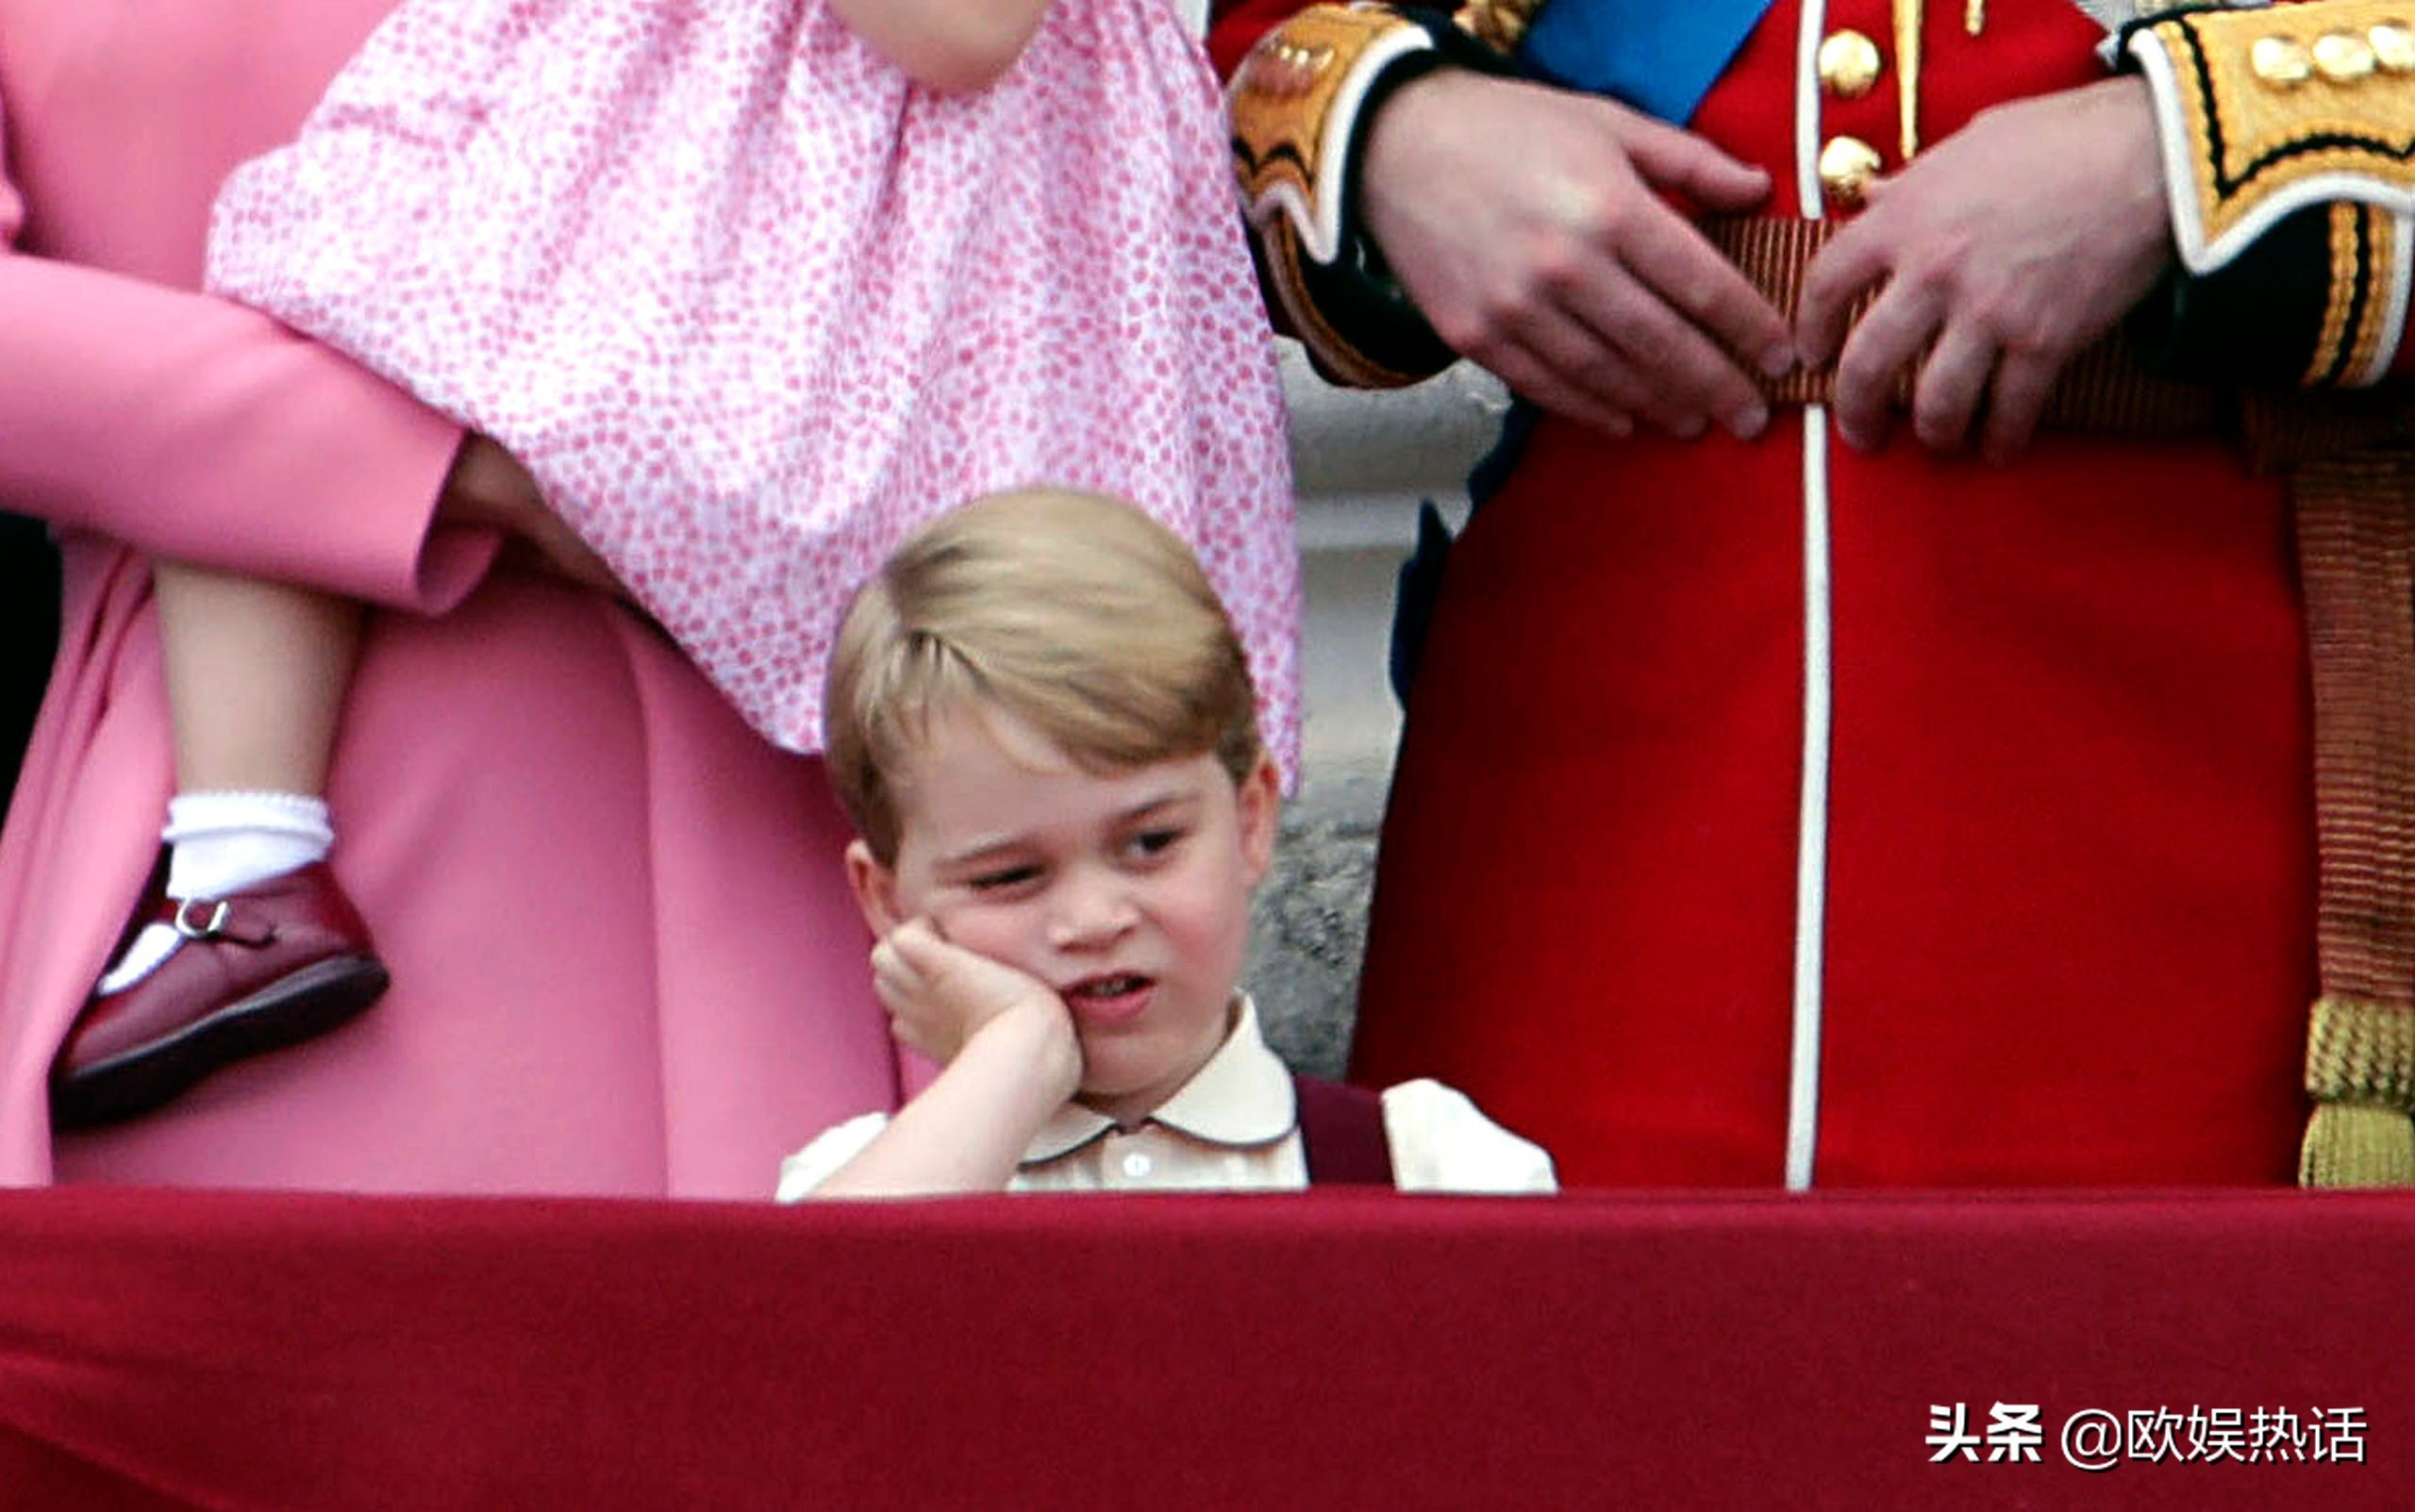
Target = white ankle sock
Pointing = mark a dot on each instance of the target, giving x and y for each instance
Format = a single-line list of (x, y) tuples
[(223, 842)]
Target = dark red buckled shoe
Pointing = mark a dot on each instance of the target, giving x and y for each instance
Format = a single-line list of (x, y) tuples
[(271, 966)]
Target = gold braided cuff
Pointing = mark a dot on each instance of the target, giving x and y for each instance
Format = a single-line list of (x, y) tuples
[(2360, 1069), (2266, 112), (1295, 105), (1295, 102)]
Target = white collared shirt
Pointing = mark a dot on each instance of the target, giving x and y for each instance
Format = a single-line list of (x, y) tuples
[(1234, 1126)]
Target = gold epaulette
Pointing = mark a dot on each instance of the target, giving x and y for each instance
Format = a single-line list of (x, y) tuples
[(1500, 25), (2267, 111), (1294, 104)]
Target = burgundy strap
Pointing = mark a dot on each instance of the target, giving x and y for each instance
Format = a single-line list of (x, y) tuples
[(2356, 556), (1342, 1133)]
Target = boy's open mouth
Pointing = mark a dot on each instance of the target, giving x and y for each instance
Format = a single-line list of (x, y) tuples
[(1110, 998)]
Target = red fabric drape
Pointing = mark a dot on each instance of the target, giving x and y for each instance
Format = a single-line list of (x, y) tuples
[(243, 1351)]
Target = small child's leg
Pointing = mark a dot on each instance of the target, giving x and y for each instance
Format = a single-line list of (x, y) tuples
[(257, 946), (257, 674)]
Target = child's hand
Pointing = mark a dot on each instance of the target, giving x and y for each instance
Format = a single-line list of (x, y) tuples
[(940, 995), (1012, 1061)]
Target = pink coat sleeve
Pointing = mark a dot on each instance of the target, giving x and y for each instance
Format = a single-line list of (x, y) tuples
[(193, 428)]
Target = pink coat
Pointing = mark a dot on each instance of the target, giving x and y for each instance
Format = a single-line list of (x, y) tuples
[(624, 960)]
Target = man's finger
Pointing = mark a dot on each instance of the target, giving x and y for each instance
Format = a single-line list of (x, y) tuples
[(1689, 380), (2018, 398), (1670, 158), (1532, 378), (1674, 262), (1881, 350), (1579, 357), (1840, 273), (1951, 383)]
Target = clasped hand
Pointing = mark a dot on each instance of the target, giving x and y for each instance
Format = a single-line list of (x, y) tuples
[(2001, 251), (1535, 229), (1530, 226)]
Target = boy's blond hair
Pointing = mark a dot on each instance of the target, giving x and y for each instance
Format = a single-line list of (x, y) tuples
[(1076, 613)]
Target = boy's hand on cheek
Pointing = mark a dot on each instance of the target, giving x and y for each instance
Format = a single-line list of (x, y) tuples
[(1012, 1061), (940, 995)]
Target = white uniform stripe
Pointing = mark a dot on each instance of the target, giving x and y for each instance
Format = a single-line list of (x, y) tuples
[(1807, 108), (1811, 837)]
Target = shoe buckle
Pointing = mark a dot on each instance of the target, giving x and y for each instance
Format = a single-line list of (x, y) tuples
[(209, 928)]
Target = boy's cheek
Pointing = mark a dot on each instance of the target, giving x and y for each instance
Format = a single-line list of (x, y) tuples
[(980, 928)]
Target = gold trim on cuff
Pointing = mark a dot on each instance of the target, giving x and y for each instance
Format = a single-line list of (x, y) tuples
[(1292, 104), (2380, 308), (1334, 356), (2360, 317), (2341, 309), (2266, 111)]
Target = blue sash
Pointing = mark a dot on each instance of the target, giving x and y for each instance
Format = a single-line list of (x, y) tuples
[(1659, 56)]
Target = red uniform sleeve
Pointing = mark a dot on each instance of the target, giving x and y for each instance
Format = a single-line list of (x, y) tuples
[(1234, 28), (196, 429)]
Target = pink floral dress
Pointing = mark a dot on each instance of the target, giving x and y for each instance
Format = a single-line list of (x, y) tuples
[(752, 307)]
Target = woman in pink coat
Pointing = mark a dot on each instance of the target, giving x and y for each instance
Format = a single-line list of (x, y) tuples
[(623, 956)]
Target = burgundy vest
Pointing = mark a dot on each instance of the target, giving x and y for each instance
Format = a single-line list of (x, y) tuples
[(1342, 1134)]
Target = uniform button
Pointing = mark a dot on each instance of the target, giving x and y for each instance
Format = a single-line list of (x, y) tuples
[(2393, 46), (2342, 57), (1136, 1165), (1847, 164), (2280, 61), (1849, 64)]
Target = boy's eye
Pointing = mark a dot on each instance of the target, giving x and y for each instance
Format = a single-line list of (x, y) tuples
[(1004, 879), (1156, 841)]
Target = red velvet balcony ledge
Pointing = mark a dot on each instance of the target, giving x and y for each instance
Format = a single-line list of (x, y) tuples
[(1331, 1350)]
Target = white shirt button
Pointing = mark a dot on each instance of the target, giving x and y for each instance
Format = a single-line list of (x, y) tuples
[(1136, 1165)]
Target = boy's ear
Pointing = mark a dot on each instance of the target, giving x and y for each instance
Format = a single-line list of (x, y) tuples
[(876, 888), (1261, 799)]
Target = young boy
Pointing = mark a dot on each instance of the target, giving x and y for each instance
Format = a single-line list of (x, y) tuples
[(1039, 719)]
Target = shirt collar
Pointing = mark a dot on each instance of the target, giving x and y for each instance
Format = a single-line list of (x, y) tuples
[(1243, 1096)]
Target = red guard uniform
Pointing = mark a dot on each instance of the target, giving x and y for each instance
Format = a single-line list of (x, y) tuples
[(1773, 811)]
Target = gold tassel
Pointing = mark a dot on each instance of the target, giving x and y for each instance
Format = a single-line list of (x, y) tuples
[(2357, 1144), (2360, 1069)]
